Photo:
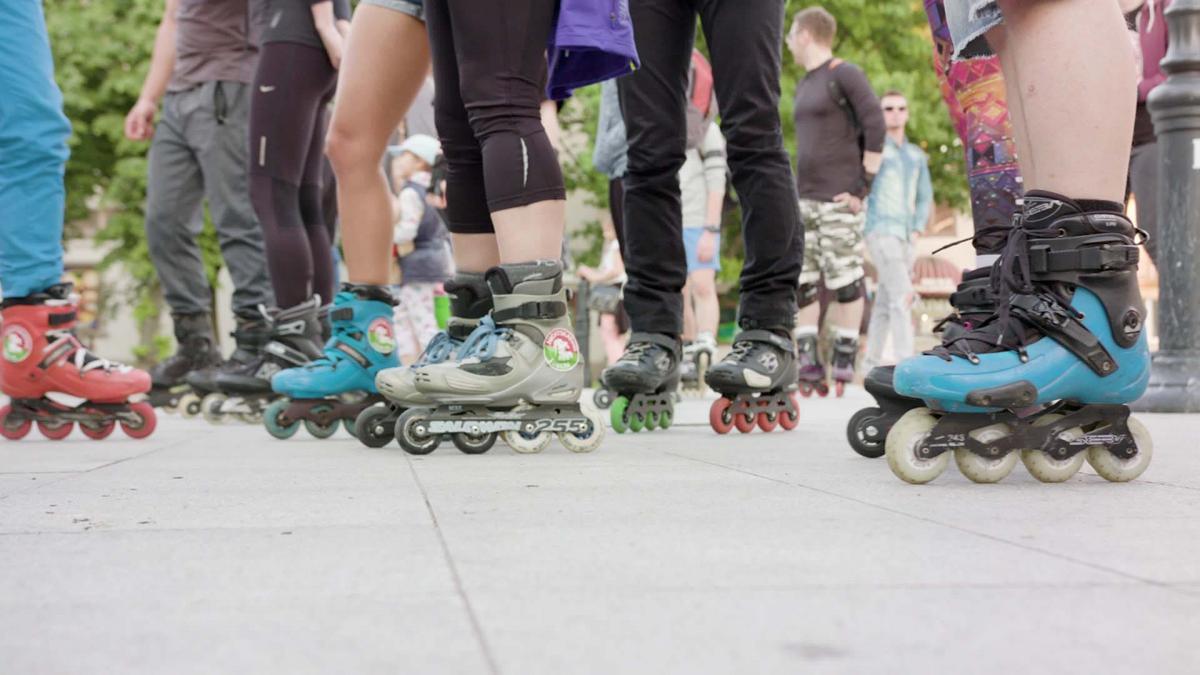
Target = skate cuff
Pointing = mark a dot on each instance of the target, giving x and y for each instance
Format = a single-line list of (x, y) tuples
[(531, 311), (657, 339), (769, 337)]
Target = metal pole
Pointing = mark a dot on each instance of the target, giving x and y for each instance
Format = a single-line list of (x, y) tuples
[(1175, 108)]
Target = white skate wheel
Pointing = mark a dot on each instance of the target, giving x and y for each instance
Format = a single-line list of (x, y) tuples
[(1120, 470), (901, 448), (982, 469), (1049, 469)]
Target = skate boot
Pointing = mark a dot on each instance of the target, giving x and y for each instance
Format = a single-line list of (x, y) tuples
[(645, 379), (195, 350), (973, 302), (810, 372), (337, 386), (518, 374), (845, 354), (54, 381), (470, 301), (280, 339), (697, 359), (1049, 373), (757, 383)]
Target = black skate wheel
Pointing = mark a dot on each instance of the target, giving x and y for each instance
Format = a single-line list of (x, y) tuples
[(474, 445), (375, 427), (411, 432), (866, 432), (602, 398)]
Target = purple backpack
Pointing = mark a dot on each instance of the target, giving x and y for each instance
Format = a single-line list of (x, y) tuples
[(592, 42)]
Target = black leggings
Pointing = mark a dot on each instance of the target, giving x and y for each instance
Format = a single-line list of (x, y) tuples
[(292, 90), (489, 69)]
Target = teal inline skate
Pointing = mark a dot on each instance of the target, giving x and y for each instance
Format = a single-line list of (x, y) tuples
[(470, 301), (1046, 377), (337, 387)]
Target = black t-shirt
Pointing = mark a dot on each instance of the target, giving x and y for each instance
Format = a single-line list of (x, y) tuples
[(828, 156), (292, 20)]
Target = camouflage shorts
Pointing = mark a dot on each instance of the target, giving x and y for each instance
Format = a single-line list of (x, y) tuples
[(833, 244)]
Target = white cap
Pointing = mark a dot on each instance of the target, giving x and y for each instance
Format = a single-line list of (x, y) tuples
[(424, 146)]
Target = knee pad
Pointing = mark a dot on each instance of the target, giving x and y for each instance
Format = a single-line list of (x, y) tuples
[(808, 295), (849, 292)]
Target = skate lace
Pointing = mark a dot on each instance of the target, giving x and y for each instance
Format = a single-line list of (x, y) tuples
[(1003, 330), (741, 352), (482, 341), (81, 358), (440, 348)]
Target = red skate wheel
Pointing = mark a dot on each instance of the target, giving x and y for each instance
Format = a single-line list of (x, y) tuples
[(718, 416), (745, 422), (806, 390), (56, 432), (99, 431), (146, 424), (13, 430), (767, 421), (823, 390), (787, 420), (840, 388)]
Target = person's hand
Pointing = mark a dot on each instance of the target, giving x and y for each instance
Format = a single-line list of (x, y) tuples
[(334, 44), (706, 248), (586, 273), (854, 204), (139, 123)]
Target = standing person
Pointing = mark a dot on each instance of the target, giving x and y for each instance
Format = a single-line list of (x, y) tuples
[(39, 353), (897, 212), (1144, 161), (839, 138), (610, 155), (744, 41), (1070, 318), (419, 230), (610, 273), (702, 191), (204, 58)]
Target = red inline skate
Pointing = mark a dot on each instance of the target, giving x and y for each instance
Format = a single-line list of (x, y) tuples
[(54, 381)]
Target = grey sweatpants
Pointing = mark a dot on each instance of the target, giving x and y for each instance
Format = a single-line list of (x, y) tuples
[(893, 258), (199, 154)]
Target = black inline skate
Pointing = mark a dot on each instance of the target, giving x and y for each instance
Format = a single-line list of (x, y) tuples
[(645, 379), (757, 383), (196, 350)]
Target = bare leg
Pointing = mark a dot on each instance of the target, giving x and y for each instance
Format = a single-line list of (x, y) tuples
[(385, 63), (475, 252), (809, 316), (847, 315), (1071, 94), (613, 344), (533, 232), (704, 296), (689, 313)]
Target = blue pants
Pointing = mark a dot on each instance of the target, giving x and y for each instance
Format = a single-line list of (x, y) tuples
[(33, 154)]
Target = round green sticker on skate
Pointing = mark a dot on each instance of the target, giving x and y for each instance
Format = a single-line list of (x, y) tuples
[(18, 344), (561, 349), (381, 336)]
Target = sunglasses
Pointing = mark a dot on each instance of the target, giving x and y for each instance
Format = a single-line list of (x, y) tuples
[(893, 108)]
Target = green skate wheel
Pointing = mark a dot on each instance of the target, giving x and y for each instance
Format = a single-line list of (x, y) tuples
[(665, 418), (637, 422), (273, 420), (616, 414), (651, 421)]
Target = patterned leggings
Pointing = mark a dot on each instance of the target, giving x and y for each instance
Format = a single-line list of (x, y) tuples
[(416, 323)]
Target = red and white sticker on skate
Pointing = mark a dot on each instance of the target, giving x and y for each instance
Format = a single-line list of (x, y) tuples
[(18, 344), (561, 349), (381, 336)]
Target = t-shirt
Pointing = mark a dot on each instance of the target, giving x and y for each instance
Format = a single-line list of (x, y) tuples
[(703, 173), (419, 119), (292, 20), (216, 40), (828, 156)]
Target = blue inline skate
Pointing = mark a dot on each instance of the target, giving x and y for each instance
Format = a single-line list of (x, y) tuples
[(1046, 377), (470, 301), (339, 386)]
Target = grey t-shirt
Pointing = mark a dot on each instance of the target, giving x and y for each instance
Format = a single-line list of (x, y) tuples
[(216, 40), (420, 116), (292, 20)]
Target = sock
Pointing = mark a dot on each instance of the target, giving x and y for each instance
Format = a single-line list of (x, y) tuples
[(804, 331), (847, 333)]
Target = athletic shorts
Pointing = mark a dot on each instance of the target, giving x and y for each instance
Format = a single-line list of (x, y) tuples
[(691, 241), (413, 8), (969, 20), (833, 244)]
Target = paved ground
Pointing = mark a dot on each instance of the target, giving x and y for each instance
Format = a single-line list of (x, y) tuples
[(220, 550)]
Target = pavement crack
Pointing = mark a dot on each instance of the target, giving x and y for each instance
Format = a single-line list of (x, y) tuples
[(68, 475), (472, 616)]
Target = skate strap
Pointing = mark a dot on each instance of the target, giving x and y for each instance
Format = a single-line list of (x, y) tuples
[(656, 339), (62, 318), (974, 296), (288, 354), (769, 337), (1092, 258), (1064, 326), (339, 347), (531, 311), (341, 314)]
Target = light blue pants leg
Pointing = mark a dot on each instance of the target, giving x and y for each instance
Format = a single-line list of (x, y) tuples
[(33, 153)]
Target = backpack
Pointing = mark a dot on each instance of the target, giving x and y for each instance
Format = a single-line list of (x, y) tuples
[(702, 103), (839, 97)]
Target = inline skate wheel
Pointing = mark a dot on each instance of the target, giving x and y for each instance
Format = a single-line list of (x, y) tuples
[(413, 434), (473, 444), (144, 421), (866, 433), (12, 429), (839, 388), (990, 469), (822, 389), (665, 418), (373, 429), (602, 398), (527, 441), (719, 417), (901, 448), (210, 407), (98, 430), (56, 430), (348, 424), (273, 420), (636, 422), (1049, 469), (189, 405), (806, 389), (1118, 469), (617, 415), (789, 420), (591, 440), (745, 422), (767, 421), (651, 420), (315, 428)]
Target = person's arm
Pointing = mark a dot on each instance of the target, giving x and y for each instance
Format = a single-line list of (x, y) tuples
[(326, 24), (715, 166), (870, 115), (410, 209), (139, 123), (342, 13), (924, 199)]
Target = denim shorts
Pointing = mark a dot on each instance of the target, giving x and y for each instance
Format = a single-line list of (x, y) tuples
[(413, 8), (691, 242), (969, 20)]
